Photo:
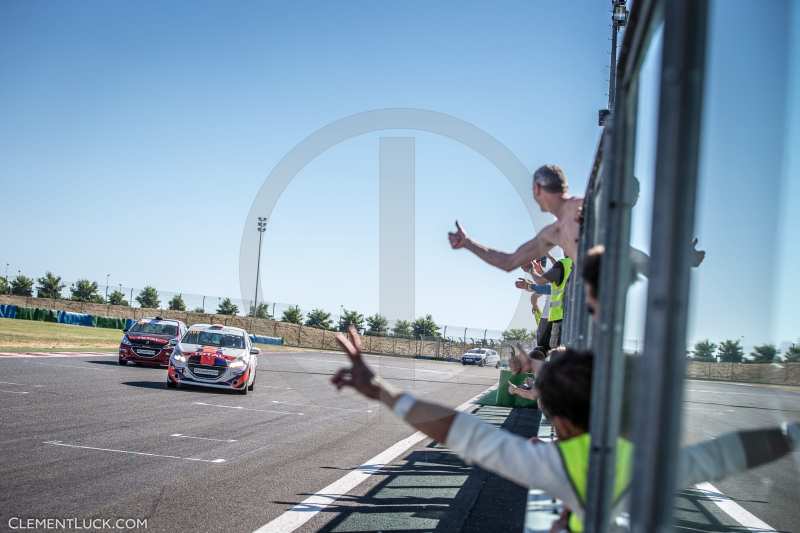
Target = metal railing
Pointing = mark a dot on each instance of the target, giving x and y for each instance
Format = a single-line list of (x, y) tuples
[(606, 220)]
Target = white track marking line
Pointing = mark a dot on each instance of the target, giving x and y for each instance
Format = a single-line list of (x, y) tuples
[(60, 443), (734, 510), (74, 367), (323, 407), (47, 355), (379, 366), (20, 384), (304, 511), (240, 408), (182, 436), (14, 391)]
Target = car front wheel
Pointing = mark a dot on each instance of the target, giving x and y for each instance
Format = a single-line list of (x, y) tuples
[(122, 362), (253, 384), (170, 384)]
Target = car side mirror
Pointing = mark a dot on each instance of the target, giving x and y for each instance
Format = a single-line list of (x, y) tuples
[(173, 342), (125, 330), (254, 351)]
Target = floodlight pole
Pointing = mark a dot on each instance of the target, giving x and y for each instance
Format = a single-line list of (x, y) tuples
[(619, 18), (107, 276), (262, 227)]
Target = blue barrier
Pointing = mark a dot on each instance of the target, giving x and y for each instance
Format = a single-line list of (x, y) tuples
[(266, 340), (8, 311), (76, 319)]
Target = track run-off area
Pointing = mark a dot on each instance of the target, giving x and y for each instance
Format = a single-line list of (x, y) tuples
[(86, 438)]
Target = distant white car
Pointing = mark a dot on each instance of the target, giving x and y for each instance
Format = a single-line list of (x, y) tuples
[(481, 356)]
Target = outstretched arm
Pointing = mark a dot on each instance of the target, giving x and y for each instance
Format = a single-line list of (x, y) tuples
[(432, 419), (534, 248), (735, 452), (641, 261), (497, 450)]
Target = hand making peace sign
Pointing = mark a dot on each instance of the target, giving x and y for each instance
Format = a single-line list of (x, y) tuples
[(359, 376)]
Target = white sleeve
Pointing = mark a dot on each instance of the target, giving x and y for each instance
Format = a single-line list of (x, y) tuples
[(513, 457), (735, 452), (711, 460)]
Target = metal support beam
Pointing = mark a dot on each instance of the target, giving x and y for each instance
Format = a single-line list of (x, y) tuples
[(660, 392), (644, 20), (580, 325), (608, 373)]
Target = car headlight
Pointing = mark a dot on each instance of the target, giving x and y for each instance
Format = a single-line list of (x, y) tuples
[(125, 341), (178, 357), (239, 364)]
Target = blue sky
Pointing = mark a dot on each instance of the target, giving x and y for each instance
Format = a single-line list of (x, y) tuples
[(136, 135)]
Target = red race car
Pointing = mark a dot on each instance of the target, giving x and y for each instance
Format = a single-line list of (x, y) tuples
[(148, 341)]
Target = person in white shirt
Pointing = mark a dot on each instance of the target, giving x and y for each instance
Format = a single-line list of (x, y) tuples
[(563, 385)]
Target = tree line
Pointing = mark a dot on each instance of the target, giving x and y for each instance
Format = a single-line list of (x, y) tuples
[(731, 351), (84, 290), (376, 325)]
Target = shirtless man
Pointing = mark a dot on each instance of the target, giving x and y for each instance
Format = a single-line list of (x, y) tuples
[(550, 192)]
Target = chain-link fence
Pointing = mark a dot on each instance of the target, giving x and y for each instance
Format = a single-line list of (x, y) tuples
[(446, 336)]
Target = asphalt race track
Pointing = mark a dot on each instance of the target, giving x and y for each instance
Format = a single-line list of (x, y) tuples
[(83, 437), (770, 492), (77, 431)]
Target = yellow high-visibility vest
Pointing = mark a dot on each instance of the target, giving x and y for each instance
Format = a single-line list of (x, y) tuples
[(557, 292), (574, 454)]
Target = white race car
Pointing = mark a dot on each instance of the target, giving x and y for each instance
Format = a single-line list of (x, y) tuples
[(215, 356)]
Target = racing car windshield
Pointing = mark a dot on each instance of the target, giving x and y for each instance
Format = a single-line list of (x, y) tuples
[(211, 338), (154, 328)]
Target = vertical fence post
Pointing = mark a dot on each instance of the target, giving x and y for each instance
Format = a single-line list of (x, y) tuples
[(607, 376), (664, 358)]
